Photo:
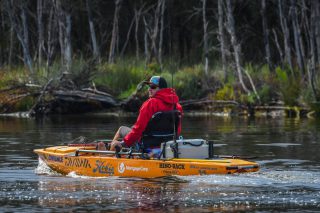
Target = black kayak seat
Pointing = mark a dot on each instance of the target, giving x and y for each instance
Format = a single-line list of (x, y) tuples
[(162, 127)]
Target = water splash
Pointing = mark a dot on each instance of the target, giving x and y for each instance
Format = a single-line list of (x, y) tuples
[(43, 169)]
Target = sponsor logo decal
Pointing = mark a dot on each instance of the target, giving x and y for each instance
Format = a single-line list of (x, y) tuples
[(77, 162), (202, 167), (55, 158), (122, 167), (170, 172), (103, 168), (171, 166)]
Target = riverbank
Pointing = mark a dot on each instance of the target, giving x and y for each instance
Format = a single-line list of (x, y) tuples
[(104, 87), (257, 111)]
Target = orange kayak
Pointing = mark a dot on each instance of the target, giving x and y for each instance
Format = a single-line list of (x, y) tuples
[(86, 161)]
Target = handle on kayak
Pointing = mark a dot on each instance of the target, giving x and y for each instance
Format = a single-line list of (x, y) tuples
[(118, 149)]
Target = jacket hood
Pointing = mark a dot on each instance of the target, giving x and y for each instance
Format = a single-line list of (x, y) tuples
[(167, 95)]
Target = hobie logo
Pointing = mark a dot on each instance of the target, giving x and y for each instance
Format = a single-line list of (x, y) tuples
[(121, 168)]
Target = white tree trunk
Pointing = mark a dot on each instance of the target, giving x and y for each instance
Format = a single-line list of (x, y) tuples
[(265, 32), (26, 50), (297, 37), (146, 41), (316, 8), (40, 31), (67, 40), (236, 46), (115, 31), (95, 46), (161, 32), (51, 29), (137, 15), (64, 23), (21, 29), (128, 37), (278, 45), (312, 60), (155, 30), (286, 35), (222, 39), (205, 38)]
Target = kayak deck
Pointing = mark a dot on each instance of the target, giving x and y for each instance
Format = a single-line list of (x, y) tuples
[(66, 159)]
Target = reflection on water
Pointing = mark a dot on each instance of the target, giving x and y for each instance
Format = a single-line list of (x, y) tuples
[(287, 149)]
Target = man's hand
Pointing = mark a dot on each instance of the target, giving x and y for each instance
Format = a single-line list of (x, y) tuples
[(114, 144)]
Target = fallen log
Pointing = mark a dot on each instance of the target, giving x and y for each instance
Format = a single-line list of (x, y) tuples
[(83, 96), (204, 103)]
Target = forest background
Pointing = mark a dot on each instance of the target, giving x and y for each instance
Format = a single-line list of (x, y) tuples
[(250, 52)]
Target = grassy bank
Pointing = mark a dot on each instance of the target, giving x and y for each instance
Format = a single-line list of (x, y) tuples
[(279, 85)]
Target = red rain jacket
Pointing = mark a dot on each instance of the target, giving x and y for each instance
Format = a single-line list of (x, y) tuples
[(163, 100)]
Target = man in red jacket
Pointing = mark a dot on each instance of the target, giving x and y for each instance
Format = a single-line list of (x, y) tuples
[(161, 98)]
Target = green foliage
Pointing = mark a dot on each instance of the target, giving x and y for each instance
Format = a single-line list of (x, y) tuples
[(265, 93), (308, 96), (188, 82), (25, 104), (12, 77), (120, 78), (225, 93), (265, 72), (282, 75), (289, 86)]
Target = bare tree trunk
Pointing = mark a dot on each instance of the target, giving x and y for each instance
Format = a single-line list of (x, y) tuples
[(222, 39), (316, 8), (155, 30), (304, 28), (305, 18), (252, 85), (278, 45), (312, 67), (137, 14), (67, 40), (128, 37), (22, 33), (60, 18), (235, 44), (297, 37), (205, 38), (10, 46), (146, 42), (161, 33), (265, 32), (26, 49), (286, 35), (40, 31), (50, 38), (312, 61), (95, 47), (115, 31), (64, 23)]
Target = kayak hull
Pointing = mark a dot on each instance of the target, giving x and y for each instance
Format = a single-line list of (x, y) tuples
[(64, 160)]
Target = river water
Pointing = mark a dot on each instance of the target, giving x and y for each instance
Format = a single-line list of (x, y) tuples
[(287, 150)]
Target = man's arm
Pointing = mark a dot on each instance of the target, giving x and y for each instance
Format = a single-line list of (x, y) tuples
[(145, 115)]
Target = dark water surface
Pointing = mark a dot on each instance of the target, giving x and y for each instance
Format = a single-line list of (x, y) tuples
[(288, 151)]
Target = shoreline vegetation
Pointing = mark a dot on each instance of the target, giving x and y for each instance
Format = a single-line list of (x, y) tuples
[(248, 58), (90, 87)]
